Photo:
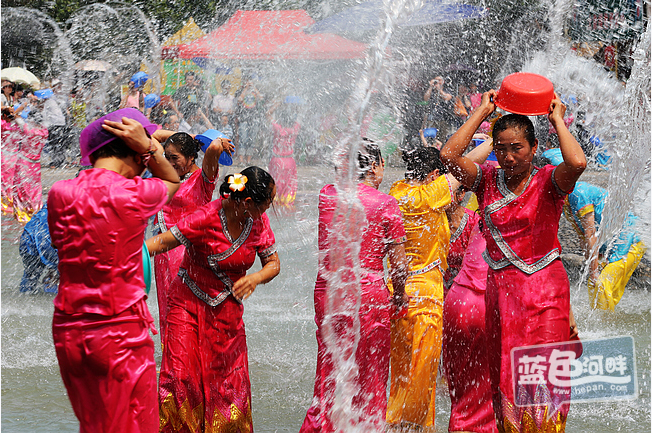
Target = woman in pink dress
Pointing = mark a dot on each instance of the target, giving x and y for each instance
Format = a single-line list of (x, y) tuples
[(383, 235), (527, 296), (196, 190), (11, 136), (464, 348), (460, 221), (204, 384), (282, 166), (101, 322), (28, 199), (21, 167)]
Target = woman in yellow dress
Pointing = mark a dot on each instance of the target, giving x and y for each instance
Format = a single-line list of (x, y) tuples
[(417, 336)]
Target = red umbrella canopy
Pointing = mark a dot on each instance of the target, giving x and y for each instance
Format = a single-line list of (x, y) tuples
[(270, 35)]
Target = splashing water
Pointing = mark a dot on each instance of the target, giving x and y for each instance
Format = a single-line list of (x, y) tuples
[(343, 294), (279, 316)]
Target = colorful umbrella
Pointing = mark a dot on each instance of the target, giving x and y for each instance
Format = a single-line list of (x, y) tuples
[(19, 75)]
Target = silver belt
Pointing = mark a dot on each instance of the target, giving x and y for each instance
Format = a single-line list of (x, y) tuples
[(426, 268)]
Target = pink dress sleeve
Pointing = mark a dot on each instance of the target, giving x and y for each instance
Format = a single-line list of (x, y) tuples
[(196, 228), (265, 242), (152, 194)]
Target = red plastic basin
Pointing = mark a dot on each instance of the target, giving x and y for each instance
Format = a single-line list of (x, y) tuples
[(525, 93)]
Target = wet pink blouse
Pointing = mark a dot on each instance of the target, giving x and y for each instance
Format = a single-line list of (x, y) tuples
[(384, 227), (284, 139), (459, 241), (214, 260), (520, 230), (473, 272), (97, 223), (193, 193)]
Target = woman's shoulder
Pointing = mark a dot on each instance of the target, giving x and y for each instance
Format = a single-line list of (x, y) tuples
[(194, 178), (375, 198)]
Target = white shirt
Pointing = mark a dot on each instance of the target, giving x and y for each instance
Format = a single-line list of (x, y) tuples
[(52, 114)]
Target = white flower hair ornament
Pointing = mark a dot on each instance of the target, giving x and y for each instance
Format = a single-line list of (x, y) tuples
[(237, 182)]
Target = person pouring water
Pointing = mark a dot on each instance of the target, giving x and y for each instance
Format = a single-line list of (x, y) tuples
[(528, 294)]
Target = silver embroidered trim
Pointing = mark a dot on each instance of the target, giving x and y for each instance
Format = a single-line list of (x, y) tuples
[(20, 155), (518, 263), (162, 226), (267, 252), (396, 241), (215, 267), (225, 227), (460, 228), (426, 268), (238, 242), (478, 177), (180, 237), (206, 179), (213, 302), (510, 256), (502, 186)]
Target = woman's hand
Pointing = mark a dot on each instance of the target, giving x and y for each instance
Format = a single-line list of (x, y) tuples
[(226, 144), (131, 132), (487, 106), (573, 325), (244, 287), (557, 110)]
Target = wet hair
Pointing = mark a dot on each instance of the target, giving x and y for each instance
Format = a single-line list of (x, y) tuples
[(368, 154), (516, 121), (421, 162), (188, 146), (115, 148), (259, 186)]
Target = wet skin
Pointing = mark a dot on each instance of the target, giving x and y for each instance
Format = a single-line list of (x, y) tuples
[(515, 155)]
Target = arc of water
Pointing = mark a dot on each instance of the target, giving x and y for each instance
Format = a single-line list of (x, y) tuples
[(343, 294), (63, 46), (155, 65), (631, 161), (114, 9)]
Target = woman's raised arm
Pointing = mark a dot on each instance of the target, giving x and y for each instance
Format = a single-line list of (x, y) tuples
[(566, 173), (211, 162), (452, 155)]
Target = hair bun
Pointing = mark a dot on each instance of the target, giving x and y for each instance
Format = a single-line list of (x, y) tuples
[(198, 144)]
